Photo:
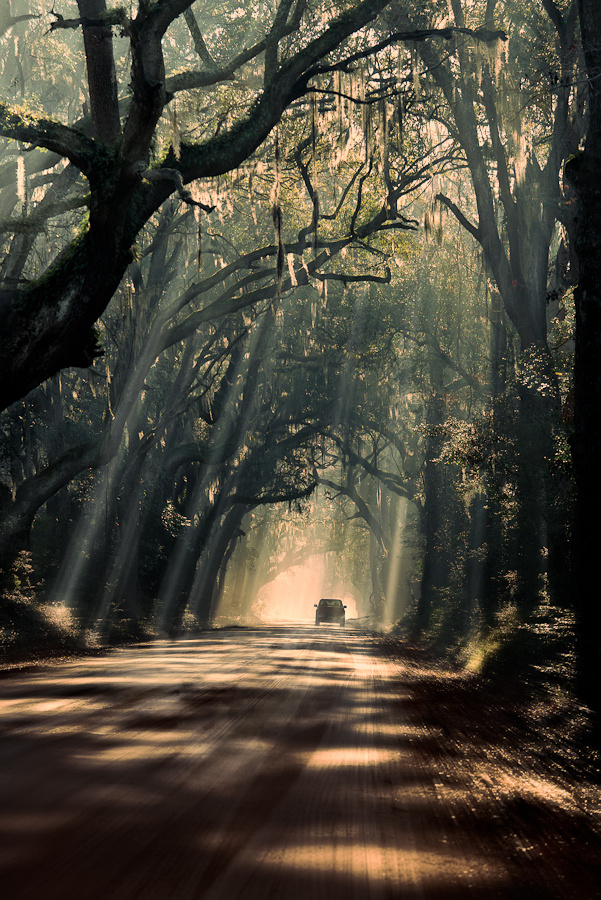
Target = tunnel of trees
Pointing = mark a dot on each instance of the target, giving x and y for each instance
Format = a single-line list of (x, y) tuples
[(304, 283)]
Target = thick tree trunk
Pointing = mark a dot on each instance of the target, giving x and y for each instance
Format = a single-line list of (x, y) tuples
[(178, 581), (535, 486), (204, 595), (17, 514), (493, 569), (516, 256), (583, 172), (475, 566), (435, 573), (102, 78)]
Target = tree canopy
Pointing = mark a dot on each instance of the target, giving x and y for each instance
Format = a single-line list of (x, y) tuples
[(123, 162), (302, 264)]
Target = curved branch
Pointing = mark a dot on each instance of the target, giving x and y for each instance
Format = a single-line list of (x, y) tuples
[(472, 229), (266, 499), (198, 40), (556, 16), (9, 21), (175, 178), (115, 16), (354, 279), (36, 221), (49, 325), (187, 81), (411, 36), (363, 511), (82, 151)]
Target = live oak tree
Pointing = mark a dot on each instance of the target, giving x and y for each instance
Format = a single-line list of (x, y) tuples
[(48, 317), (445, 339), (49, 308), (154, 321), (583, 172), (515, 109)]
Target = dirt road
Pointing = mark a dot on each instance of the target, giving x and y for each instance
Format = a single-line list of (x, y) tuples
[(292, 762)]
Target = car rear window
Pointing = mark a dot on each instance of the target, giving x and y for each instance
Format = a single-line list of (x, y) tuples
[(330, 602)]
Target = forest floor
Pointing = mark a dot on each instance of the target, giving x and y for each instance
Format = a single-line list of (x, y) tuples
[(287, 762)]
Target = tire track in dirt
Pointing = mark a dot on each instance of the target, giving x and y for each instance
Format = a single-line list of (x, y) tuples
[(269, 763)]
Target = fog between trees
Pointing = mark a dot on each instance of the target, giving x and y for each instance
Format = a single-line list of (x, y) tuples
[(287, 307)]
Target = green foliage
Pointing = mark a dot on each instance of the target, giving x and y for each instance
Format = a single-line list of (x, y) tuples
[(172, 521), (27, 628)]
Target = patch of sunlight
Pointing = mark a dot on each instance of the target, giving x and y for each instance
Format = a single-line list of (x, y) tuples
[(195, 749), (311, 680), (53, 705), (14, 706), (352, 756), (55, 730), (525, 784), (136, 750), (402, 868), (59, 615), (291, 595), (399, 731), (363, 711), (18, 713)]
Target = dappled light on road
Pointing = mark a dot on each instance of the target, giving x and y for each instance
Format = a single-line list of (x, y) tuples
[(268, 762)]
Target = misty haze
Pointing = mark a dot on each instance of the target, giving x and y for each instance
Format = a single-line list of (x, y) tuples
[(300, 302)]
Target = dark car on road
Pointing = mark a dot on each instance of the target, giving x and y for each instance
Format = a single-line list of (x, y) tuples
[(329, 610)]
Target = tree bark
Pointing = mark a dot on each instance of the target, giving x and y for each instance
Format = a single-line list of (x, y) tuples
[(583, 172), (102, 77), (436, 568), (203, 598)]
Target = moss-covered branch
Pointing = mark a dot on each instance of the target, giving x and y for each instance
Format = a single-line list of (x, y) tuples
[(37, 131)]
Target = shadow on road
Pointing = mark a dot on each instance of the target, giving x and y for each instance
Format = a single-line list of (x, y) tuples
[(270, 763)]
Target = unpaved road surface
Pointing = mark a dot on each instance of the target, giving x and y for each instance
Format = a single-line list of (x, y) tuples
[(271, 763)]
